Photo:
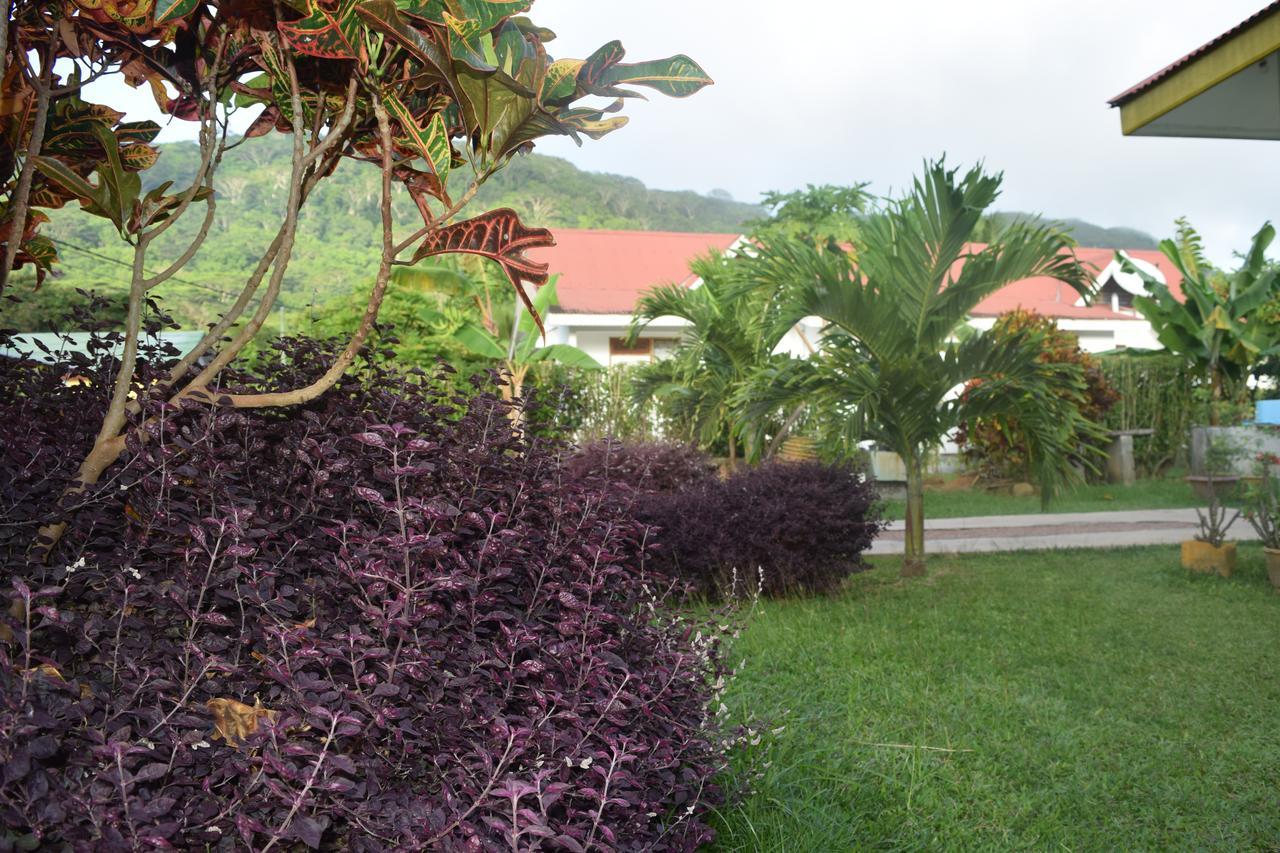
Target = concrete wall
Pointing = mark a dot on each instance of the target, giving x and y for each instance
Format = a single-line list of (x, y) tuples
[(1249, 441)]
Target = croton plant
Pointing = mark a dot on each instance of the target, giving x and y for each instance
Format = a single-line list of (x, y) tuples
[(417, 88)]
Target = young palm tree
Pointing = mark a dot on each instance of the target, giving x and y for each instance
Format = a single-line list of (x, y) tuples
[(722, 345), (891, 361)]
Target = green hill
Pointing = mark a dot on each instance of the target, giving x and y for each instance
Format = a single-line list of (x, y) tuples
[(337, 246), (336, 250)]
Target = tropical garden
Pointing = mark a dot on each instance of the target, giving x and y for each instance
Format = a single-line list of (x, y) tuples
[(388, 568)]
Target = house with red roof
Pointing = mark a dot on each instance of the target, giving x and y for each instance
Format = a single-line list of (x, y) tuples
[(602, 274)]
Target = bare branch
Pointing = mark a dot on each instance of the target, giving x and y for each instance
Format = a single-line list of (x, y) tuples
[(283, 252), (348, 355)]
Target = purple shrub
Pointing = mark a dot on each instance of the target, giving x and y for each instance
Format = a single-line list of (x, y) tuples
[(643, 466), (790, 526), (381, 621)]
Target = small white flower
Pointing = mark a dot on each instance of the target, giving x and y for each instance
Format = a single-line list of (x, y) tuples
[(130, 570), (200, 744), (78, 564), (585, 763)]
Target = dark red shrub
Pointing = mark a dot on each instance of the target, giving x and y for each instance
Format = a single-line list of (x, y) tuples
[(378, 622), (643, 466), (795, 526)]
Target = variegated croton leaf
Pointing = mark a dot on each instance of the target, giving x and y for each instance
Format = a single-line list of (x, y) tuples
[(500, 236)]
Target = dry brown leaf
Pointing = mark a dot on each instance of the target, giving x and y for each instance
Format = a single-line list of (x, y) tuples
[(234, 721), (48, 670)]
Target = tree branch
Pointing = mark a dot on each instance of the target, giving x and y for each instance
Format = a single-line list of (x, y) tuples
[(20, 201), (344, 359)]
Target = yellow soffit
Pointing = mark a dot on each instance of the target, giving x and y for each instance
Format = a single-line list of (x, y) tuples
[(1202, 73)]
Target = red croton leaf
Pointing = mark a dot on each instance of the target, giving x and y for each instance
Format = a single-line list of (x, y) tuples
[(500, 236), (329, 31)]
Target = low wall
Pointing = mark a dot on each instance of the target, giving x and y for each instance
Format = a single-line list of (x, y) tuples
[(1249, 440)]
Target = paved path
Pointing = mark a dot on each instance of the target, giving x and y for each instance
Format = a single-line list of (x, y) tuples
[(1050, 530)]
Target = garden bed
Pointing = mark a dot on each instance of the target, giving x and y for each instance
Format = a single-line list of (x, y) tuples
[(1081, 700)]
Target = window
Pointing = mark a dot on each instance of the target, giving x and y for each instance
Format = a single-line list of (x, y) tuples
[(1114, 295), (643, 347)]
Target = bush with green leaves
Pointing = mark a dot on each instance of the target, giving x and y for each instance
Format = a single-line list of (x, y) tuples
[(997, 446)]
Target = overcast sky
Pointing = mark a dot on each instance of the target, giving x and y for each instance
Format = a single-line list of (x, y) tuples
[(842, 91)]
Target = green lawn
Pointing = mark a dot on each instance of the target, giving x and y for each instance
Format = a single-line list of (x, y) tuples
[(1144, 494), (1078, 700)]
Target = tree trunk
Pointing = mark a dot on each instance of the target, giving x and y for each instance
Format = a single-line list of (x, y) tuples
[(913, 550), (1215, 397)]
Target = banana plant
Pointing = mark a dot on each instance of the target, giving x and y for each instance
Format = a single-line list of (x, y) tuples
[(1219, 326), (511, 337)]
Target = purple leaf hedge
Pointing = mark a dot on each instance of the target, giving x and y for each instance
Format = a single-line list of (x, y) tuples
[(779, 528), (641, 466), (378, 622)]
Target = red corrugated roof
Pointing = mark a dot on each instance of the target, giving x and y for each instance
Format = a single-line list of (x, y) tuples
[(1134, 91), (1050, 297), (604, 272)]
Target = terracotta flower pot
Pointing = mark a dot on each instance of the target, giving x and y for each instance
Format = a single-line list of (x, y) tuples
[(1273, 566), (1219, 486), (1209, 559)]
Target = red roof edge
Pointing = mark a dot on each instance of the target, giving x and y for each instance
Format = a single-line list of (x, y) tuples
[(1134, 91)]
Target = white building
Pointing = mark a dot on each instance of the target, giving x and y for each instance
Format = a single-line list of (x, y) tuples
[(602, 274)]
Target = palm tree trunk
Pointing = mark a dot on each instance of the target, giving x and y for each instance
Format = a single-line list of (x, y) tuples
[(913, 546)]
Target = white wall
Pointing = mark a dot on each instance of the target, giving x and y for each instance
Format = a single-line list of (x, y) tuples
[(1097, 335), (591, 334)]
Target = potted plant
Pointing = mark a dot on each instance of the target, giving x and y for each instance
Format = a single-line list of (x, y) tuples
[(1264, 515), (1219, 478), (1209, 552)]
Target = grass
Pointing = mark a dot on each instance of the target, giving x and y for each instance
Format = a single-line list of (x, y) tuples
[(1145, 494), (1064, 700)]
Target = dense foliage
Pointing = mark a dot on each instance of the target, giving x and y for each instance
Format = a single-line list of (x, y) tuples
[(1155, 392), (1219, 325), (724, 343), (413, 92), (997, 446), (781, 527), (643, 467), (379, 621)]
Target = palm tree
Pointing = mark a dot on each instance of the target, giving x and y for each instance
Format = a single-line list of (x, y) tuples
[(722, 345), (891, 362)]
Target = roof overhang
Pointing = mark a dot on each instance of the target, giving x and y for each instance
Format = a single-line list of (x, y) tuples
[(1228, 89)]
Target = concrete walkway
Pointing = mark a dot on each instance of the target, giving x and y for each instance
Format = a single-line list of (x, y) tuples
[(1060, 530)]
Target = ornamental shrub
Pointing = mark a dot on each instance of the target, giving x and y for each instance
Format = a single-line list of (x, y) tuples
[(782, 527), (379, 621), (997, 447), (642, 466)]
